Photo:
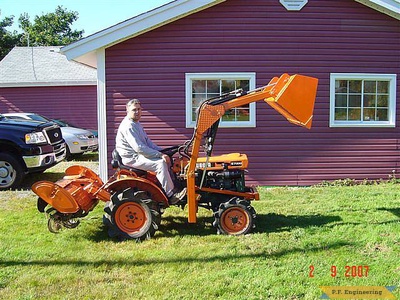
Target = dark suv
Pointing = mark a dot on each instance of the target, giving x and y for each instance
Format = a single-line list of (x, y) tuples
[(27, 147)]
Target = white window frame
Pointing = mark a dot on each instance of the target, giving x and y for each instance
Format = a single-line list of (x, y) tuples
[(360, 76), (251, 76)]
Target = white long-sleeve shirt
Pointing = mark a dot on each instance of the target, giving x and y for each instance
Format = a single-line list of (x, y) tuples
[(132, 141)]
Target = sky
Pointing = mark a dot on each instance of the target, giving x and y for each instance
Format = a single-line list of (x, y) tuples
[(94, 15)]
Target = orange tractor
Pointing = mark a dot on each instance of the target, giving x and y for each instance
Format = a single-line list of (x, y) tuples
[(134, 200)]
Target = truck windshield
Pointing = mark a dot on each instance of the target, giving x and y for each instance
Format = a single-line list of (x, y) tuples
[(39, 118)]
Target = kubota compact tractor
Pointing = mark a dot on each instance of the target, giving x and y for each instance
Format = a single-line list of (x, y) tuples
[(134, 198)]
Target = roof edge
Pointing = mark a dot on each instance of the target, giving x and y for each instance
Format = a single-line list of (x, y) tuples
[(388, 7), (84, 50), (47, 83)]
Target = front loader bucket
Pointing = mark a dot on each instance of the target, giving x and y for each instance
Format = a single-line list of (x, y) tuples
[(294, 97), (56, 196)]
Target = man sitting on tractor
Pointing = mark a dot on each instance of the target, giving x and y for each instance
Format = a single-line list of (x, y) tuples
[(137, 150)]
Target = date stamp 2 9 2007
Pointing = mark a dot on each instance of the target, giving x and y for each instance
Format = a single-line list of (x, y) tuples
[(347, 271)]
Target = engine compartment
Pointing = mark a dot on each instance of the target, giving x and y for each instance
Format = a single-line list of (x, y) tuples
[(224, 172)]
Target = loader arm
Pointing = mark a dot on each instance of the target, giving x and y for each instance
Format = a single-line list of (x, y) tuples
[(292, 96)]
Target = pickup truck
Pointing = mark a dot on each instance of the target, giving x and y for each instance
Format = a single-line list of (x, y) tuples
[(27, 147)]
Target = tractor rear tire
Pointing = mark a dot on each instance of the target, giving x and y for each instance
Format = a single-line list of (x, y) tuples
[(235, 217), (131, 215)]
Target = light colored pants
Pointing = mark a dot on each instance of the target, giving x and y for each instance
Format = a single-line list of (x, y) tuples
[(158, 166)]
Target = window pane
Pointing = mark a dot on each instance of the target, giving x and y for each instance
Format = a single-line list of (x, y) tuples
[(370, 86), (354, 114), (198, 86), (355, 101), (369, 101), (341, 114), (341, 100), (383, 87), (209, 96), (382, 114), (213, 86), (229, 115), (243, 114), (243, 84), (228, 85), (354, 86), (194, 114), (369, 114), (383, 101), (341, 86), (237, 114), (197, 99)]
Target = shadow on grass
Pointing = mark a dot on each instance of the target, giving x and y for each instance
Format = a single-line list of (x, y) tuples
[(179, 226), (159, 260), (170, 226), (90, 156), (275, 222), (395, 211), (32, 178)]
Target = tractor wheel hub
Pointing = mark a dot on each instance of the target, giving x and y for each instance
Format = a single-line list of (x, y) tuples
[(234, 219)]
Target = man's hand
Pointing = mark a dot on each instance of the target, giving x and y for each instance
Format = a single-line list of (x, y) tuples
[(166, 158)]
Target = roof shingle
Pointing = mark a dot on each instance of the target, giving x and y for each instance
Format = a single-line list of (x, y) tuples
[(30, 66)]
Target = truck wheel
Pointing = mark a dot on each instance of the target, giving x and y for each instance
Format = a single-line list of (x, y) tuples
[(131, 214), (235, 217), (11, 171), (68, 155)]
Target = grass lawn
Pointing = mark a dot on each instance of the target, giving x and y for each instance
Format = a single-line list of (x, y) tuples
[(303, 237)]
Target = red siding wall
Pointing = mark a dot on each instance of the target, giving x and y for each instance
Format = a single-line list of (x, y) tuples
[(76, 104), (261, 36)]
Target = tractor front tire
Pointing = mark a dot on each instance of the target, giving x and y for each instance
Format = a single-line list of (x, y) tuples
[(131, 214), (235, 217)]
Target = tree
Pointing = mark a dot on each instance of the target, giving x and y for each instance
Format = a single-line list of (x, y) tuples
[(51, 29), (7, 39)]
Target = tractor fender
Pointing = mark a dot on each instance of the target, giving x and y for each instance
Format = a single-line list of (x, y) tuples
[(140, 183), (76, 172)]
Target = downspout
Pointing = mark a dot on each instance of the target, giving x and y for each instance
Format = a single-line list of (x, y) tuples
[(102, 113)]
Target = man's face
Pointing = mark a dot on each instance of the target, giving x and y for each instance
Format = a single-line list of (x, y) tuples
[(134, 112)]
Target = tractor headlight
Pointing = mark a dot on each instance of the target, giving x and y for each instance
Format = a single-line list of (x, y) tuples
[(35, 138)]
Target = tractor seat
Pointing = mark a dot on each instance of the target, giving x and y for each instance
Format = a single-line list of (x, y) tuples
[(116, 163)]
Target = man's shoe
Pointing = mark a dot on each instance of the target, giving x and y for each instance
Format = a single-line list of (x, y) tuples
[(175, 198)]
